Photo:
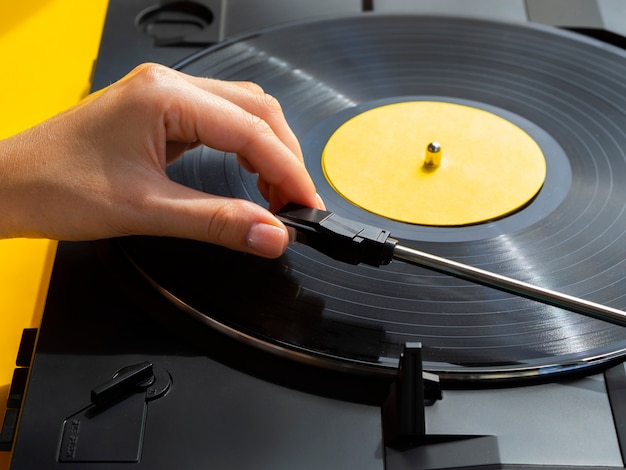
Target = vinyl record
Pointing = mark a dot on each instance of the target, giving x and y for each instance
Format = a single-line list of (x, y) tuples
[(567, 92)]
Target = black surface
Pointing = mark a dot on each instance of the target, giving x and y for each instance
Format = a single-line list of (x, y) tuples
[(27, 347), (9, 427), (18, 388), (126, 43), (615, 378), (566, 90), (213, 416)]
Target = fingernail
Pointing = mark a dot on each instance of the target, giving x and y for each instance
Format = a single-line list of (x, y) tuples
[(267, 240), (320, 201)]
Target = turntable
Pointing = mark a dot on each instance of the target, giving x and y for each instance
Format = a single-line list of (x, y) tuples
[(482, 138)]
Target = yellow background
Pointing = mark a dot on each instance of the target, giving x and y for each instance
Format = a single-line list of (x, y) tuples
[(47, 52)]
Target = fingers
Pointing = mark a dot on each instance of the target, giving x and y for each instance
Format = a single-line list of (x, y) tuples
[(177, 211), (238, 118), (259, 147), (252, 98)]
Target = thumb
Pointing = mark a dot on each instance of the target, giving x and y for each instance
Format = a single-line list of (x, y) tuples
[(182, 212)]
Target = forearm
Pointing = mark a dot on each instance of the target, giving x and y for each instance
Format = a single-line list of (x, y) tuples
[(19, 191), (40, 182)]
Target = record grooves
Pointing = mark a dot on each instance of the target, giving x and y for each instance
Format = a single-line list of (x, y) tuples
[(565, 90)]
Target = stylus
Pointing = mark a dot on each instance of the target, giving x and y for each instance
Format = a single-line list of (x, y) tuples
[(353, 242)]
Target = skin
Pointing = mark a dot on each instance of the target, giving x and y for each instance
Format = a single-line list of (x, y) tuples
[(98, 169)]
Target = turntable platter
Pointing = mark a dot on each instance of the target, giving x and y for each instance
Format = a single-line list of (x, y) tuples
[(565, 91)]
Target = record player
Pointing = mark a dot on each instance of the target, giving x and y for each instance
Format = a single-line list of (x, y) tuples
[(161, 353)]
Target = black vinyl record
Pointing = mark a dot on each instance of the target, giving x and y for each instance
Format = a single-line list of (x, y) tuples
[(566, 91)]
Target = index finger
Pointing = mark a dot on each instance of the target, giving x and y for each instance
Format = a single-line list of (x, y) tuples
[(262, 137), (252, 98)]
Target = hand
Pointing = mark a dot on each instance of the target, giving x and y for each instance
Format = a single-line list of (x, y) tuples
[(98, 169)]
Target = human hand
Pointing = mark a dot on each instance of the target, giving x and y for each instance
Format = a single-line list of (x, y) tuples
[(98, 169)]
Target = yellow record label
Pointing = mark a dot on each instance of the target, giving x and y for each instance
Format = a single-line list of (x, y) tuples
[(379, 160)]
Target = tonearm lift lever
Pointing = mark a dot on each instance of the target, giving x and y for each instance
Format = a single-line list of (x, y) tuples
[(354, 242)]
